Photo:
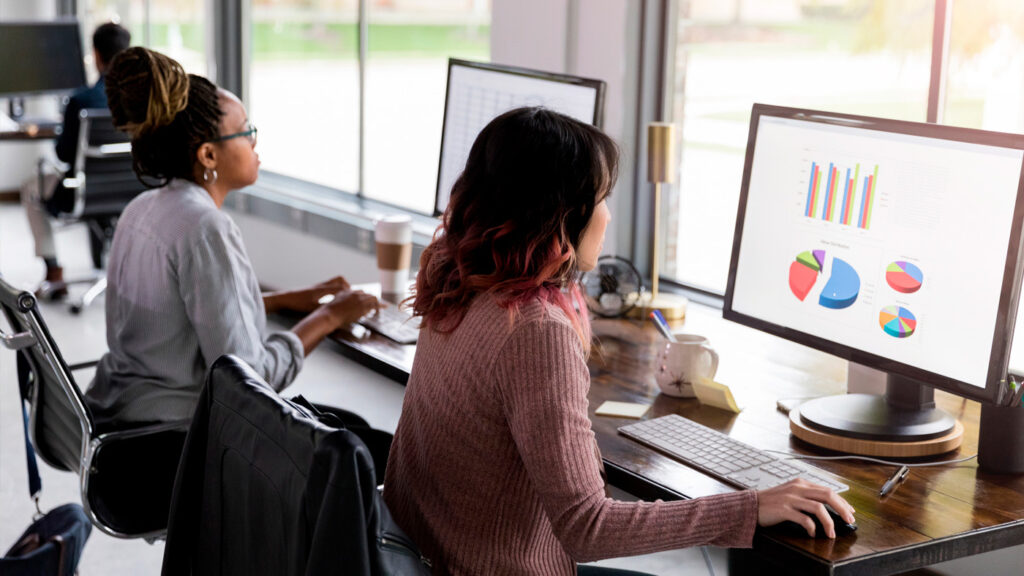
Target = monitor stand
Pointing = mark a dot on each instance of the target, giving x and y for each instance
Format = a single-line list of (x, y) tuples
[(902, 423)]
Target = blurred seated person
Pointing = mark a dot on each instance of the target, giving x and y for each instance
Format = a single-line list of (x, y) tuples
[(181, 291), (107, 41)]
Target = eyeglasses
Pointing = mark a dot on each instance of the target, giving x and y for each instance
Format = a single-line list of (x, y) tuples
[(249, 134)]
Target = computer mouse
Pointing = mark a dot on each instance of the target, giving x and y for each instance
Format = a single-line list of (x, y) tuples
[(842, 526)]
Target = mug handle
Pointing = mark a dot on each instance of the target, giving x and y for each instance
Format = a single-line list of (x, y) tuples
[(714, 360)]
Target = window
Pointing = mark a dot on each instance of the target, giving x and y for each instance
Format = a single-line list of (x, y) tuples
[(173, 27), (304, 89), (410, 42), (852, 56), (985, 83)]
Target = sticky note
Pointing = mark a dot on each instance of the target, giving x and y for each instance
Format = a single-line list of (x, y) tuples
[(622, 409), (716, 394)]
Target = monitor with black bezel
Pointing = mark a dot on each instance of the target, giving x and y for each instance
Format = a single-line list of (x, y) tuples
[(893, 244)]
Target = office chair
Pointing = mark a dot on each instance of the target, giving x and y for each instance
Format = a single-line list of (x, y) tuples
[(267, 487), (99, 185), (126, 475)]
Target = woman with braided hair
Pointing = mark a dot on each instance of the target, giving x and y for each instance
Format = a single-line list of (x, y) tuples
[(181, 290)]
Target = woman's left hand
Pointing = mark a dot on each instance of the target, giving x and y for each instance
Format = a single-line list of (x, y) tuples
[(306, 299)]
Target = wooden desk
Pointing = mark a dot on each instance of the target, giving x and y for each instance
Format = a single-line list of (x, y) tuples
[(42, 132), (938, 514)]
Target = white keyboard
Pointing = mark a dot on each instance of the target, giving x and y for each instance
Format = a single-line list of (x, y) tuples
[(723, 457), (393, 323)]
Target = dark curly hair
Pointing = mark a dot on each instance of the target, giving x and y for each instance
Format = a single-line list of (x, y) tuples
[(168, 113), (516, 217)]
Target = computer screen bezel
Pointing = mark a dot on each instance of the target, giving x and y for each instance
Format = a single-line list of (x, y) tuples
[(80, 56), (598, 85), (1009, 292)]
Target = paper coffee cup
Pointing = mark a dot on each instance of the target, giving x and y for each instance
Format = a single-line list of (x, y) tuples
[(393, 236)]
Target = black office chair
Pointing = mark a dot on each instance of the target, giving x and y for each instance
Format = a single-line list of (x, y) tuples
[(266, 487), (95, 191), (127, 474)]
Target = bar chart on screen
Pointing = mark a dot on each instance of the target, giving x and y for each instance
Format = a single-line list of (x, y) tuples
[(842, 193)]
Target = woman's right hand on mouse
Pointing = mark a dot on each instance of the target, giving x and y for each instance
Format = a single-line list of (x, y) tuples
[(349, 306), (795, 499)]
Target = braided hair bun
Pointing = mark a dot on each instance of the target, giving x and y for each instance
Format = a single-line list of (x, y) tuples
[(168, 112)]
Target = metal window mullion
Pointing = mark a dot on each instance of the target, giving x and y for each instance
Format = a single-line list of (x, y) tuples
[(941, 27), (147, 25), (650, 106), (364, 31)]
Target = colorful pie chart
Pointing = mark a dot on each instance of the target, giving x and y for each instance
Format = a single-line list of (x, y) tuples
[(897, 321), (841, 288), (904, 277)]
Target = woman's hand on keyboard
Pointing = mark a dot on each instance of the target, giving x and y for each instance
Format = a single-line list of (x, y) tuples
[(349, 306), (795, 499), (305, 299)]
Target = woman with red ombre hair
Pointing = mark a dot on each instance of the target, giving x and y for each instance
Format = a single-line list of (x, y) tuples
[(494, 467)]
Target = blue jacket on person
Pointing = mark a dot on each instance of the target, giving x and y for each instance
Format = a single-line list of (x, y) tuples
[(94, 96)]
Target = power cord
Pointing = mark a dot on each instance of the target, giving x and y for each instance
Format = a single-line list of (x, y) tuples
[(792, 456)]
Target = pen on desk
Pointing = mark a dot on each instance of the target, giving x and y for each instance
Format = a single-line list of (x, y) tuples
[(894, 481), (662, 325)]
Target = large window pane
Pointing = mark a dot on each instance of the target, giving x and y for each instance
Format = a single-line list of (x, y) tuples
[(853, 56), (985, 86), (410, 42), (304, 89), (176, 27)]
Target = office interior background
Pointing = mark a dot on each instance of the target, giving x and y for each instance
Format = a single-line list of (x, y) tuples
[(348, 96)]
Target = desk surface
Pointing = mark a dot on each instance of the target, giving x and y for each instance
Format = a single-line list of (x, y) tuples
[(938, 514), (44, 131)]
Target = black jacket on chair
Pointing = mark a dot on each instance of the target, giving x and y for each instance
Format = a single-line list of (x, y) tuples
[(263, 487)]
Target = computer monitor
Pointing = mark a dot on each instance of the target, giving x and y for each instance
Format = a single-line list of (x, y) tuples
[(893, 244), (40, 57), (479, 92)]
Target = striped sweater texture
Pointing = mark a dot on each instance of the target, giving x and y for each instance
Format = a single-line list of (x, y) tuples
[(493, 467)]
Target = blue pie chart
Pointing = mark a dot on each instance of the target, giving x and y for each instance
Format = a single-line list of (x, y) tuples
[(842, 288)]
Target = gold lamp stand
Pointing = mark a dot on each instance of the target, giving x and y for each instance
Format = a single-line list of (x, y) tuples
[(660, 170)]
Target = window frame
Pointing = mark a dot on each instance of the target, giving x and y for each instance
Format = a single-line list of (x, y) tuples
[(941, 29)]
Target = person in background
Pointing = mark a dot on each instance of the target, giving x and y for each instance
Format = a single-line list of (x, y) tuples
[(181, 291), (107, 41), (494, 467)]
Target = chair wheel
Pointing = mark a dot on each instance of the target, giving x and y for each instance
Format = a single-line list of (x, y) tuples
[(76, 308)]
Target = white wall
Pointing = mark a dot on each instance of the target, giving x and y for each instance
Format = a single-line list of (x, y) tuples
[(284, 258)]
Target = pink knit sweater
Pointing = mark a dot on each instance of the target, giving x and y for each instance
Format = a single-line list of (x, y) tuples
[(493, 468)]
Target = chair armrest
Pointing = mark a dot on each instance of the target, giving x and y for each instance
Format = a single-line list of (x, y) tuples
[(135, 432), (83, 365)]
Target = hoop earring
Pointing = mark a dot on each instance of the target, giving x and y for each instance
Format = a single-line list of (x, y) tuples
[(208, 178)]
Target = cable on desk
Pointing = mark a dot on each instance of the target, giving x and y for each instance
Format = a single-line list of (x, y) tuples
[(792, 456)]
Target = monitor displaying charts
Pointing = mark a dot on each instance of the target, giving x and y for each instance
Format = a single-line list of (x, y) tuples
[(892, 243), (478, 92)]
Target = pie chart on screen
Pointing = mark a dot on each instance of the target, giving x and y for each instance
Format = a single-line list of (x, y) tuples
[(897, 321), (842, 285), (904, 277)]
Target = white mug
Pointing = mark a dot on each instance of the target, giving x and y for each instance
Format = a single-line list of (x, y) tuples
[(683, 362), (393, 236)]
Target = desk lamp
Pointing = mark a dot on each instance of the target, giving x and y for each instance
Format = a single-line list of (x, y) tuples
[(661, 169)]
